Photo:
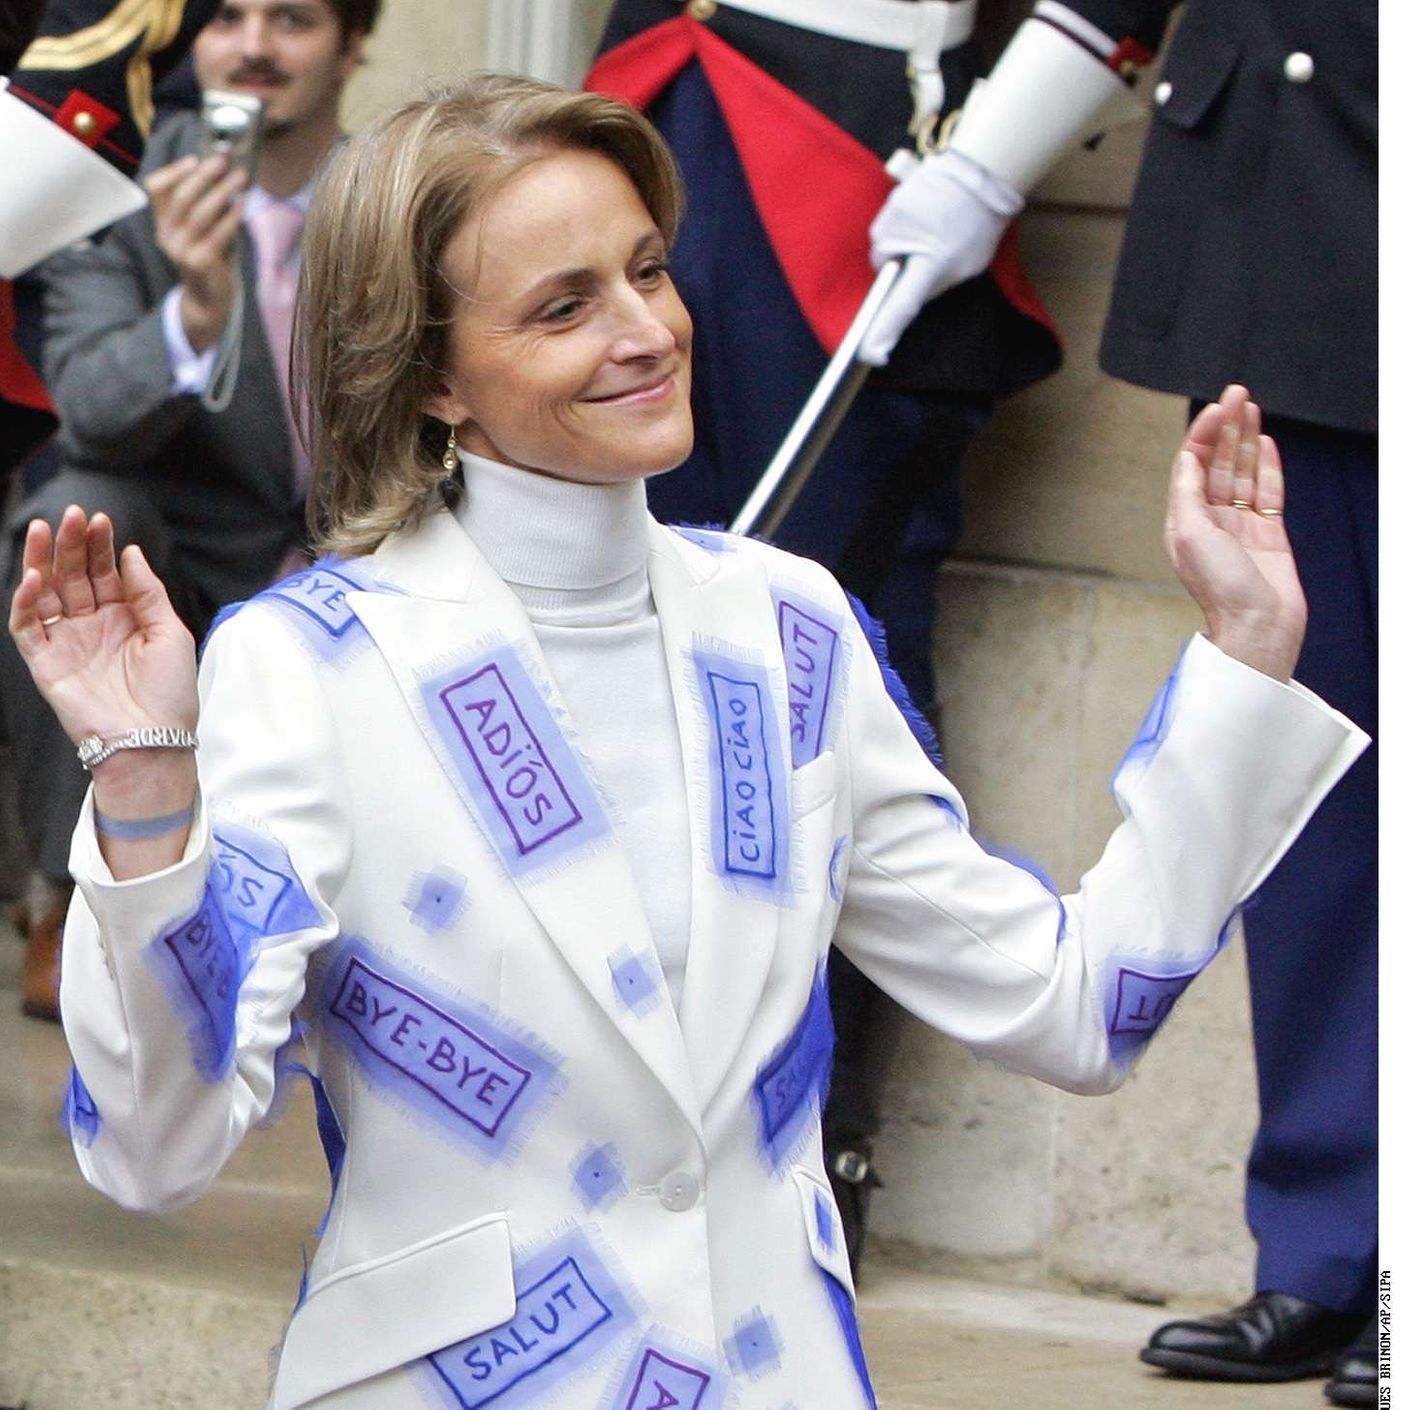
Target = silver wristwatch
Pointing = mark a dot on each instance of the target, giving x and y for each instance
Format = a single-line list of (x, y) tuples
[(94, 748)]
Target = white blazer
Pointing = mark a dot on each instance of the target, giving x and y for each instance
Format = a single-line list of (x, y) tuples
[(551, 1188)]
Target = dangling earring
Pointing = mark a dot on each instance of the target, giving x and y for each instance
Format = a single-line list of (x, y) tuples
[(450, 460)]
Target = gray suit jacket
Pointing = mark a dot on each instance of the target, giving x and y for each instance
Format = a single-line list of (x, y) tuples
[(222, 483)]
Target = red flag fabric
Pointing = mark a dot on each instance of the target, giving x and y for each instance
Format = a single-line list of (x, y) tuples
[(19, 383)]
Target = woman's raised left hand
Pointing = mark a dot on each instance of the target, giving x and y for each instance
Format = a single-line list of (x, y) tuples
[(1225, 536)]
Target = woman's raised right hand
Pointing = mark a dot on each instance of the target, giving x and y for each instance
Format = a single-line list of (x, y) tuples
[(106, 650)]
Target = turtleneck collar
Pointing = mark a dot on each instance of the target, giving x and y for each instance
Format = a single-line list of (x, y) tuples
[(574, 554)]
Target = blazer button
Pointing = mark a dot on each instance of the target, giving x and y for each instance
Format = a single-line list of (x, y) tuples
[(680, 1191), (702, 9), (1162, 93), (1298, 67)]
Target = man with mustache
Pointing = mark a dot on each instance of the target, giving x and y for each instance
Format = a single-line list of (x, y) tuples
[(135, 325)]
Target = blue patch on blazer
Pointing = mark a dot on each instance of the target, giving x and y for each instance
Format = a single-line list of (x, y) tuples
[(202, 962), (252, 892), (665, 1372), (313, 601), (79, 1116), (834, 869), (472, 1077), (791, 1087), (710, 537), (599, 1177), (1140, 995), (919, 726), (334, 1143), (527, 784), (827, 1231), (846, 1314), (259, 891), (634, 978), (748, 780), (319, 593), (331, 1138), (436, 899), (658, 1381), (754, 1349), (1154, 728), (810, 641), (567, 1309)]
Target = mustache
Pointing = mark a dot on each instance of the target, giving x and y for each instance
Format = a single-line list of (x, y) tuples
[(258, 73)]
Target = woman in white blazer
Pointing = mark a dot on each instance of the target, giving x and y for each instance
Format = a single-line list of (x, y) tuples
[(538, 819)]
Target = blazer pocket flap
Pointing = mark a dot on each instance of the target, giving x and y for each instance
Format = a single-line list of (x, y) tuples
[(824, 1226), (374, 1316), (1196, 72), (814, 784)]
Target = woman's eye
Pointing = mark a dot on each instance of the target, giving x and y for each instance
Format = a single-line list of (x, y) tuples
[(652, 272), (561, 310)]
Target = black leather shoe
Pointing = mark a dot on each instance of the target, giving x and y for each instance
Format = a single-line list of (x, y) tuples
[(1353, 1379), (1271, 1337)]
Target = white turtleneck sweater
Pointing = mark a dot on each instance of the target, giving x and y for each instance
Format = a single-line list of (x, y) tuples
[(575, 557)]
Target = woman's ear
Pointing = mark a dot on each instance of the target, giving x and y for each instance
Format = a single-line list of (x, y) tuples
[(444, 405)]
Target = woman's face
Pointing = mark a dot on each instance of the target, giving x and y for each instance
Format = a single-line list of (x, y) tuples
[(569, 347)]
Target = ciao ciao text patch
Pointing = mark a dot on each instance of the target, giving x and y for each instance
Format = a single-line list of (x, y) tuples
[(749, 821)]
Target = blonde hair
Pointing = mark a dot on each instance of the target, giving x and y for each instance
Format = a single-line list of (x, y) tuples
[(375, 305)]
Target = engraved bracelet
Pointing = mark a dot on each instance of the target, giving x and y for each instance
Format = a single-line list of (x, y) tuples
[(94, 748)]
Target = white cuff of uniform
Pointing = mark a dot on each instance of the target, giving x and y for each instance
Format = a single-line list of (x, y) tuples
[(190, 370), (1046, 94)]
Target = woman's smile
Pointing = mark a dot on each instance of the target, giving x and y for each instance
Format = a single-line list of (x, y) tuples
[(644, 393)]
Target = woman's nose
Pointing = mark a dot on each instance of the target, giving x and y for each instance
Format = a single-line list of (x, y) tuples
[(644, 332)]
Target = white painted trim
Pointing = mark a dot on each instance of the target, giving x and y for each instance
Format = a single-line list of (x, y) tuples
[(542, 38)]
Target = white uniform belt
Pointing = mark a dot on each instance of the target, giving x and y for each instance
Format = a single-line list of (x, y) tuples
[(925, 27)]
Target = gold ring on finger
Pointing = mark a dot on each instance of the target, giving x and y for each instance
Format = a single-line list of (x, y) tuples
[(1271, 513), (1241, 504), (49, 621)]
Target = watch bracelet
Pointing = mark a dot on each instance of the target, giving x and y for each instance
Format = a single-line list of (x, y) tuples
[(93, 749)]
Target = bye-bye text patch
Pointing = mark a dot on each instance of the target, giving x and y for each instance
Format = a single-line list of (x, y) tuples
[(472, 1077)]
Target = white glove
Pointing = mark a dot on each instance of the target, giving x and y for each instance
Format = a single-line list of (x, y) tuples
[(946, 218)]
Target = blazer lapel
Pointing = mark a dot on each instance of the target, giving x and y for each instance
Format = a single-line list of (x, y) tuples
[(725, 665), (464, 656)]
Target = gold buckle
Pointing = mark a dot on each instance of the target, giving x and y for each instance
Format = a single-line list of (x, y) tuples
[(935, 132)]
